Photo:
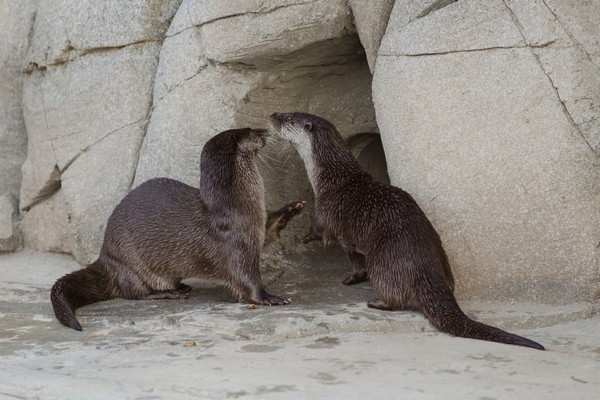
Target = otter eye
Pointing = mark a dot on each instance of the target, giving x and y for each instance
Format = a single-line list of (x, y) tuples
[(288, 118)]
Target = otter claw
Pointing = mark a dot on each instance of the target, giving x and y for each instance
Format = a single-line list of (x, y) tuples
[(270, 300)]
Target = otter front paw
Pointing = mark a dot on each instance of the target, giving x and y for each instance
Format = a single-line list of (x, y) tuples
[(288, 212), (278, 220)]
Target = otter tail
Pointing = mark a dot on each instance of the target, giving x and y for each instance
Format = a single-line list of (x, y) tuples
[(443, 312), (77, 289)]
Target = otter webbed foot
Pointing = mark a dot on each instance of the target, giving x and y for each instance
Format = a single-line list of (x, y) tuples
[(355, 278), (270, 300), (359, 269), (394, 306), (184, 289), (182, 292), (379, 304)]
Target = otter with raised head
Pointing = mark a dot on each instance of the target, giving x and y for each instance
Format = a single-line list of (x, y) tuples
[(164, 231), (385, 234)]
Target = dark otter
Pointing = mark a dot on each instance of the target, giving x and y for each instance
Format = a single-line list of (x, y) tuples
[(385, 234), (164, 231)]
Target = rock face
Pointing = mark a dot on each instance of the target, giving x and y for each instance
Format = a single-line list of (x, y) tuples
[(489, 116), (16, 19), (488, 113), (87, 101), (371, 18)]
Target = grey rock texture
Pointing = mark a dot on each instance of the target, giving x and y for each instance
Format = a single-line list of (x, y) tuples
[(371, 19), (489, 116), (488, 113), (16, 20), (10, 235), (86, 102)]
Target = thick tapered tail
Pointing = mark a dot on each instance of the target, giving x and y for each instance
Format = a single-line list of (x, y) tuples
[(77, 289), (443, 312)]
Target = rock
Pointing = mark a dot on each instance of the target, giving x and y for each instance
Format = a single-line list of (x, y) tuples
[(16, 20), (10, 235), (257, 31), (46, 226), (488, 133), (67, 29), (87, 101), (92, 131), (371, 18)]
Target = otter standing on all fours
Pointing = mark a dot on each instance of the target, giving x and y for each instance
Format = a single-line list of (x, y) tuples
[(164, 231), (385, 234)]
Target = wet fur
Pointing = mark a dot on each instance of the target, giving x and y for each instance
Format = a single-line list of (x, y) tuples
[(385, 234), (164, 231)]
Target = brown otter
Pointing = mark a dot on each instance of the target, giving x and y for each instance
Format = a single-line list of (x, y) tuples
[(385, 234), (164, 231)]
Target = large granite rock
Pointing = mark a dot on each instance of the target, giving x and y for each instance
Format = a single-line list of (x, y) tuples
[(16, 20), (87, 101), (371, 19), (488, 114)]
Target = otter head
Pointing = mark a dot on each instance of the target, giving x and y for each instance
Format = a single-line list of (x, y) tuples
[(227, 160), (315, 139), (235, 142)]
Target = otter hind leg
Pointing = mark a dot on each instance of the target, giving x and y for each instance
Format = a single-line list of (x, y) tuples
[(359, 269), (182, 292)]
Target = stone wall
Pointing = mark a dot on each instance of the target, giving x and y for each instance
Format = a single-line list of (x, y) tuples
[(488, 113)]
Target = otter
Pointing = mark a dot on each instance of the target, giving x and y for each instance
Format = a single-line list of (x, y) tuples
[(384, 232), (164, 231)]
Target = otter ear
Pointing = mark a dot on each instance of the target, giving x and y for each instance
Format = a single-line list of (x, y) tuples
[(308, 126)]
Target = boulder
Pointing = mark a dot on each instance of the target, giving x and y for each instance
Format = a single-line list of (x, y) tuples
[(370, 19), (16, 19), (493, 134), (86, 102)]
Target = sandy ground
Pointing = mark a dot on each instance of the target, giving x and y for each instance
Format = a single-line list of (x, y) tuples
[(326, 345)]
